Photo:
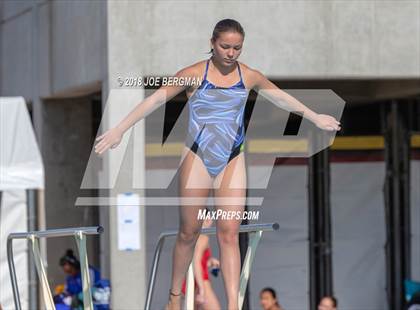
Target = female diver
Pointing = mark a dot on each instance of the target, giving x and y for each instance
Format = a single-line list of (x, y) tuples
[(213, 157)]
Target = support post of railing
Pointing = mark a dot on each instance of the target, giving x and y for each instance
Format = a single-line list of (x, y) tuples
[(190, 289), (12, 272), (84, 269), (246, 268), (42, 275)]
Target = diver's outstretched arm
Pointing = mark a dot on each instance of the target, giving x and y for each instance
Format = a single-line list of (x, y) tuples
[(289, 103), (112, 137)]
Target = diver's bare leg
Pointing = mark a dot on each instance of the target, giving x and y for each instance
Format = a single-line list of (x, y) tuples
[(230, 193), (195, 184)]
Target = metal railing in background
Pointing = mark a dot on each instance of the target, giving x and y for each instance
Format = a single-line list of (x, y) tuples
[(33, 237), (255, 229)]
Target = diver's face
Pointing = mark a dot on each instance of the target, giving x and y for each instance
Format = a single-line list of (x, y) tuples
[(266, 300), (227, 47)]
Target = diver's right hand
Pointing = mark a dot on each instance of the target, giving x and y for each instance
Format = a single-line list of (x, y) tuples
[(110, 139)]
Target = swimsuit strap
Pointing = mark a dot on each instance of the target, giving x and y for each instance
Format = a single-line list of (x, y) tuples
[(207, 67), (239, 70)]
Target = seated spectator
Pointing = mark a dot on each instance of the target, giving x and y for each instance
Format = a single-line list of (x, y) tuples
[(71, 266), (268, 299), (70, 296), (328, 303)]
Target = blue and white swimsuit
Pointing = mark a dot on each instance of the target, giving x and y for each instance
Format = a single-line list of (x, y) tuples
[(216, 130)]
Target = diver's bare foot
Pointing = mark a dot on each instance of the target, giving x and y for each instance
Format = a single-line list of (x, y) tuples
[(174, 302)]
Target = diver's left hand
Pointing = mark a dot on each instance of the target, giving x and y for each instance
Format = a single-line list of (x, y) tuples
[(327, 122)]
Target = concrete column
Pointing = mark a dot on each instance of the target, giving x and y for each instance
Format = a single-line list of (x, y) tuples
[(127, 268)]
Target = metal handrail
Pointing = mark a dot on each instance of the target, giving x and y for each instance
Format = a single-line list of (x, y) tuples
[(204, 231), (60, 232), (33, 236)]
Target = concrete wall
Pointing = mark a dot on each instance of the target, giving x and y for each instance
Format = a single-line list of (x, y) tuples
[(284, 38), (16, 49), (59, 43), (78, 51)]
